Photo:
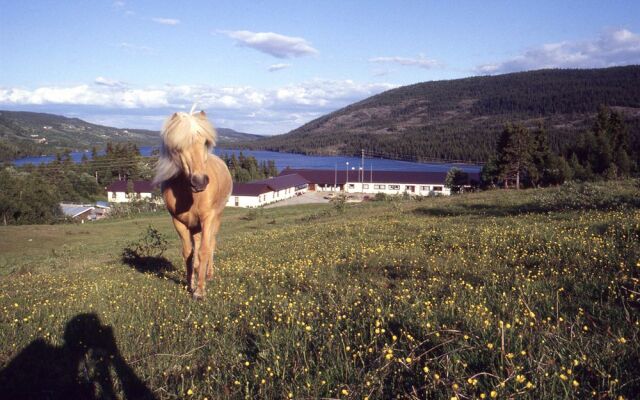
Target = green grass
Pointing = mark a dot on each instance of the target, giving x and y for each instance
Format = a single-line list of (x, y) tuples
[(517, 294)]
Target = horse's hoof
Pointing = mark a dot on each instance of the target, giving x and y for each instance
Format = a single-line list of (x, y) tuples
[(197, 296)]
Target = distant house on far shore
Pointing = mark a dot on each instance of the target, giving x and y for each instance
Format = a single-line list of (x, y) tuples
[(126, 191)]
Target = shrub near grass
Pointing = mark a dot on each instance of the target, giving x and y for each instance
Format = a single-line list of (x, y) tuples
[(380, 302)]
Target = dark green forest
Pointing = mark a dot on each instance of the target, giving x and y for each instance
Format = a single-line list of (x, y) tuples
[(524, 157), (462, 119)]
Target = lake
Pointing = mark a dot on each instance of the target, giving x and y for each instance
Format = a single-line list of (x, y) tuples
[(292, 160)]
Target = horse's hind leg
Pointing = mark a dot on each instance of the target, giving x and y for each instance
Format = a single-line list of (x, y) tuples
[(187, 249), (214, 235)]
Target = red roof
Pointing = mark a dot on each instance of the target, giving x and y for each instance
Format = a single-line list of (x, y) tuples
[(257, 188), (284, 181), (138, 187), (249, 189), (328, 177)]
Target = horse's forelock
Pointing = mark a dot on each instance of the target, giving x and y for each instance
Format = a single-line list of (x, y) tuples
[(177, 134), (181, 128)]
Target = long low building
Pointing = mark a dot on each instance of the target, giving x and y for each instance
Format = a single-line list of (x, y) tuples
[(371, 182), (266, 191)]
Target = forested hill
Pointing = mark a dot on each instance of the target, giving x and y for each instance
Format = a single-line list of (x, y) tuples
[(461, 119), (28, 133)]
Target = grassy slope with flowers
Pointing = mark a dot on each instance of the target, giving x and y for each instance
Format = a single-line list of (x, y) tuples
[(530, 294)]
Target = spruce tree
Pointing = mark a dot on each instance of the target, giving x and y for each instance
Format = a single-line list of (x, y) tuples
[(514, 154)]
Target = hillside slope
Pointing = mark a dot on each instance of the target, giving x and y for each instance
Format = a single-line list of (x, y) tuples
[(27, 133), (461, 119), (525, 294)]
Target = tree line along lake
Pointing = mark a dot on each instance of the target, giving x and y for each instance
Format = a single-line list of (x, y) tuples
[(283, 160)]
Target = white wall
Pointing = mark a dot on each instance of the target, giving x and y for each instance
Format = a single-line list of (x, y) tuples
[(122, 197), (389, 188), (266, 198)]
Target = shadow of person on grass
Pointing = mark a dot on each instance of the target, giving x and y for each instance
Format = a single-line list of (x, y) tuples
[(79, 369)]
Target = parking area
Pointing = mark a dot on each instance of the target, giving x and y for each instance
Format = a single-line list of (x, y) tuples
[(316, 197), (306, 198)]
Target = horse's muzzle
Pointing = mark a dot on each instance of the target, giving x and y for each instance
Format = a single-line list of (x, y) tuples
[(199, 183)]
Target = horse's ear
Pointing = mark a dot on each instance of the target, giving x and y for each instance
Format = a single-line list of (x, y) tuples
[(202, 115), (174, 116)]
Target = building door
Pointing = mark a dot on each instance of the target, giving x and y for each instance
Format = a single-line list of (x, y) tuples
[(411, 188)]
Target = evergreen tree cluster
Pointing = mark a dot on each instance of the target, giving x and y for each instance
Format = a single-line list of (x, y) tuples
[(246, 168), (523, 157), (32, 193), (27, 198)]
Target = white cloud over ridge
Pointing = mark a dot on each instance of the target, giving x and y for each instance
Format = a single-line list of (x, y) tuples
[(278, 67), (612, 47), (136, 49), (262, 111), (421, 62), (274, 44)]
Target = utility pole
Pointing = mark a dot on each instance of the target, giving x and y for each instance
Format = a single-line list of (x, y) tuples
[(362, 165), (371, 173), (347, 182), (335, 178)]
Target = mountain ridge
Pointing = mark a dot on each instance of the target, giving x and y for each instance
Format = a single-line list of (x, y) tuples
[(460, 119), (25, 133)]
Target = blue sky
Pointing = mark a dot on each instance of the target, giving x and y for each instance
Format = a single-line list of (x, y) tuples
[(267, 67)]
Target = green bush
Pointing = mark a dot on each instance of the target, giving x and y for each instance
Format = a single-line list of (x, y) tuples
[(152, 244), (590, 196)]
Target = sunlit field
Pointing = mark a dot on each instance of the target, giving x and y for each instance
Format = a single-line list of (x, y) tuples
[(520, 294)]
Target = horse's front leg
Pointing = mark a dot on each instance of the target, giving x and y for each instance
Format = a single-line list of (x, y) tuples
[(197, 244), (187, 249), (204, 254)]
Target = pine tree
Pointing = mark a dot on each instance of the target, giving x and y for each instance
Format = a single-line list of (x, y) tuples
[(514, 154)]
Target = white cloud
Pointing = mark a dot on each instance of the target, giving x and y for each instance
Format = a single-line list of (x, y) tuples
[(136, 49), (262, 111), (612, 47), (421, 62), (277, 45), (278, 67), (166, 21), (108, 82)]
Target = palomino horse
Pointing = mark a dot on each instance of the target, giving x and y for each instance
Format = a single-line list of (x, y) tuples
[(195, 185)]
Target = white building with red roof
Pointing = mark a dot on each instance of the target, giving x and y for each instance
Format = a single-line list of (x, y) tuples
[(371, 182), (126, 191), (266, 191)]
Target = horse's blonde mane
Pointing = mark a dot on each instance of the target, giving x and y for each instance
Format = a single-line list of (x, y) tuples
[(178, 133)]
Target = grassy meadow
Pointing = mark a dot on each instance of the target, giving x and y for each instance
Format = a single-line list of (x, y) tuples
[(519, 294)]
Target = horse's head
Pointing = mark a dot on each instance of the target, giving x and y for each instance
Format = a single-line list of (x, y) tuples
[(188, 141)]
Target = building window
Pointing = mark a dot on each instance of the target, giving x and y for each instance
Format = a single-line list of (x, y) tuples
[(437, 188), (380, 186), (365, 186), (424, 188), (394, 187), (352, 186)]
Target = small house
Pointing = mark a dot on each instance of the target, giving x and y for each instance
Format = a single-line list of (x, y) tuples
[(127, 191)]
